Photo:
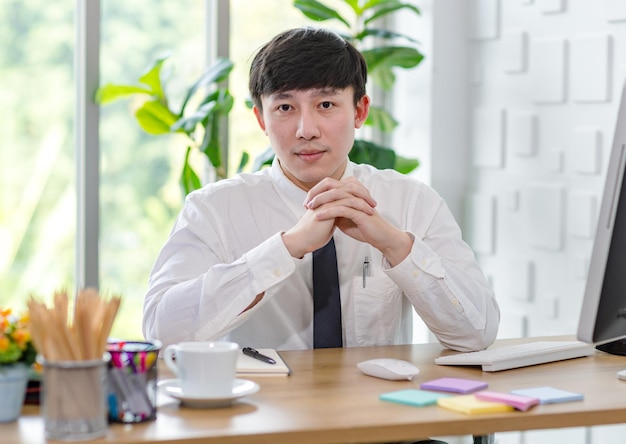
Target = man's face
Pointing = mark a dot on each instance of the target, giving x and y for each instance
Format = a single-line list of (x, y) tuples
[(312, 131)]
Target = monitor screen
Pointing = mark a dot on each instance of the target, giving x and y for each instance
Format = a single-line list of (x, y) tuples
[(603, 314)]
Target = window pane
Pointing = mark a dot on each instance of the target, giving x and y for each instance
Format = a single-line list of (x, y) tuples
[(139, 190), (37, 186)]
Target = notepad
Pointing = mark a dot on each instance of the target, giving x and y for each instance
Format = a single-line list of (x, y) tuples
[(549, 395), (414, 397), (455, 385), (249, 366), (470, 405)]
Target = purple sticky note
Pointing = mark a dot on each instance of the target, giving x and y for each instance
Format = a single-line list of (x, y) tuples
[(455, 385)]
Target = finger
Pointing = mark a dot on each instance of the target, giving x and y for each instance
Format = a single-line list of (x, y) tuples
[(335, 191), (322, 187), (351, 208), (359, 190)]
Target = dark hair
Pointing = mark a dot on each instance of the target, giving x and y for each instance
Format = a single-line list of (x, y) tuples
[(305, 58)]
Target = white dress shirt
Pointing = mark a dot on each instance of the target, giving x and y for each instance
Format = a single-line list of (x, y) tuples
[(226, 247)]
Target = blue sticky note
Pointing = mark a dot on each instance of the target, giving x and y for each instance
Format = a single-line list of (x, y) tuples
[(549, 395), (414, 397)]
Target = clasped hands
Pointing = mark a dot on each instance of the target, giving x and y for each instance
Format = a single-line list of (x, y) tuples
[(346, 205)]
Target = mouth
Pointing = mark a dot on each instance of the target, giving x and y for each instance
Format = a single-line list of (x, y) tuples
[(310, 156)]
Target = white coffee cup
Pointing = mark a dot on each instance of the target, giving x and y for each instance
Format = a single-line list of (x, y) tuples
[(205, 369)]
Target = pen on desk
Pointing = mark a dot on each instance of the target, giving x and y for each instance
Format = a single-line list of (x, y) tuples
[(256, 355), (366, 269)]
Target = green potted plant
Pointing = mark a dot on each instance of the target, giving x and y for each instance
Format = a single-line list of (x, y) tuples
[(383, 55), (205, 106), (17, 354)]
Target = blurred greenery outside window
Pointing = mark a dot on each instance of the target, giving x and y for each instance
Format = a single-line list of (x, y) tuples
[(37, 171), (140, 195)]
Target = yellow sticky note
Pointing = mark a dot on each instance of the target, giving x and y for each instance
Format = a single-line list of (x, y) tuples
[(470, 405)]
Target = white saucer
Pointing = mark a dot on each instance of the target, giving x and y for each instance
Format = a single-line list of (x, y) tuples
[(241, 387)]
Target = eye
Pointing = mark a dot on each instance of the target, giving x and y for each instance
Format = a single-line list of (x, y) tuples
[(284, 107), (326, 105)]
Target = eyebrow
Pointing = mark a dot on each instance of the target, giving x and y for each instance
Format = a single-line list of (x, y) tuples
[(317, 92)]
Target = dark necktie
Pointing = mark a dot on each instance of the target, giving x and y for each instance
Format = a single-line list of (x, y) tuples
[(326, 300)]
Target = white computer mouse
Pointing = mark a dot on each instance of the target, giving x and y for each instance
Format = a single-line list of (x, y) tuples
[(388, 368)]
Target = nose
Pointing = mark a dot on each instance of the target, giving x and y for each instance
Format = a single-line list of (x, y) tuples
[(308, 127)]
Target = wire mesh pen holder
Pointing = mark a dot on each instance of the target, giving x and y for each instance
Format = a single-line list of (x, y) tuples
[(74, 395)]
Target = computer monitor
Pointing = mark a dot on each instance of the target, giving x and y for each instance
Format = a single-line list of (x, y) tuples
[(603, 314)]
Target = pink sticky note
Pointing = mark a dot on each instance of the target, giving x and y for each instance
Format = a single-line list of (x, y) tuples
[(456, 385), (522, 403)]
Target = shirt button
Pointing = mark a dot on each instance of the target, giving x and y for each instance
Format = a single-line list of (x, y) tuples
[(277, 272), (416, 273)]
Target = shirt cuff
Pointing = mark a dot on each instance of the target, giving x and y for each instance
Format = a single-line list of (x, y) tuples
[(270, 262), (420, 261)]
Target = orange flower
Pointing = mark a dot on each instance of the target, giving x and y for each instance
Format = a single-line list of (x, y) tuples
[(15, 339)]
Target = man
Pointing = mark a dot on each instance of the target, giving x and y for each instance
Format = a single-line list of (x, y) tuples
[(238, 262)]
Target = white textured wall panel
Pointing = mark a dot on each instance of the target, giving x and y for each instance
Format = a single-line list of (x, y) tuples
[(549, 307), (485, 19), (518, 282), (514, 52), (522, 133), (554, 160), (547, 69), (551, 6), (480, 219), (585, 156), (561, 62), (488, 137), (582, 214), (513, 324), (591, 68), (545, 216), (615, 10), (581, 266)]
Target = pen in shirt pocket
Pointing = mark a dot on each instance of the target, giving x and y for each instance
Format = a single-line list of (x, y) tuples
[(366, 269)]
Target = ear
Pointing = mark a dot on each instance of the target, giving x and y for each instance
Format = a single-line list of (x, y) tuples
[(259, 117), (361, 112)]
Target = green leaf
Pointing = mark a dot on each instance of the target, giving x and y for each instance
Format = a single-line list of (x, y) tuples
[(188, 124), (384, 77), (188, 177), (387, 7), (405, 165), (109, 92), (401, 56), (354, 4), (264, 159), (211, 141), (152, 76), (216, 73), (383, 34), (373, 154), (318, 11), (381, 119), (245, 158), (155, 118)]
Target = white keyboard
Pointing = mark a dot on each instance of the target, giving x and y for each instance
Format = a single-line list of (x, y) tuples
[(520, 355)]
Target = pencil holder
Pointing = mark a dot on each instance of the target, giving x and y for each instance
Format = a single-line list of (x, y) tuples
[(74, 399), (132, 377)]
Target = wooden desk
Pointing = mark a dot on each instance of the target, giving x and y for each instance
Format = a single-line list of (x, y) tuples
[(328, 400)]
